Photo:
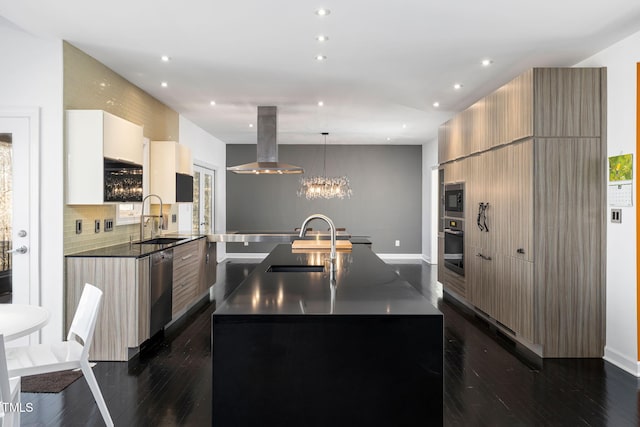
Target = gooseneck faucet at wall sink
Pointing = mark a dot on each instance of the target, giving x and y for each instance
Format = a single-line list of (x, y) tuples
[(142, 216), (332, 228)]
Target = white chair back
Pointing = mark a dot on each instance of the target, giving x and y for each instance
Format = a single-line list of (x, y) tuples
[(86, 315), (5, 388)]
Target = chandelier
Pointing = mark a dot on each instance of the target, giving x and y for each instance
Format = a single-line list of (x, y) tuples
[(321, 187)]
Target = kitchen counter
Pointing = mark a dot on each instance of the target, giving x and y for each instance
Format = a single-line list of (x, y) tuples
[(127, 250), (298, 348), (364, 284)]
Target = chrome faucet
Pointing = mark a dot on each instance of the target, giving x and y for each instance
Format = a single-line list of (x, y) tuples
[(332, 229), (142, 216)]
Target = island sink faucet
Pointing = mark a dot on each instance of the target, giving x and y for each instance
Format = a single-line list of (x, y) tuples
[(332, 228), (142, 216)]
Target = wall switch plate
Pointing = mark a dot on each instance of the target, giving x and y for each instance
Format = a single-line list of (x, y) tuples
[(616, 216), (96, 225), (78, 226), (397, 242), (246, 243), (108, 224)]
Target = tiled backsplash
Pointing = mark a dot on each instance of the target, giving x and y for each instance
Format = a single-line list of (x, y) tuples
[(89, 84), (89, 239)]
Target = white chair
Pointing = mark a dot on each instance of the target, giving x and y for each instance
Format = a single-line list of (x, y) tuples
[(70, 354), (9, 393)]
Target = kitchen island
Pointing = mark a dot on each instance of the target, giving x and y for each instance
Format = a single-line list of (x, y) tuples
[(295, 347)]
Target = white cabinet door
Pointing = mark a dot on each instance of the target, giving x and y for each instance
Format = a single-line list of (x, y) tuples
[(122, 139)]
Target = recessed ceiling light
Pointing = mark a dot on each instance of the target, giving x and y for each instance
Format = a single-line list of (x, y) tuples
[(322, 38), (250, 125), (320, 103), (436, 104), (212, 103), (164, 84), (320, 57), (322, 12), (165, 58), (404, 126), (486, 62), (457, 86), (388, 139)]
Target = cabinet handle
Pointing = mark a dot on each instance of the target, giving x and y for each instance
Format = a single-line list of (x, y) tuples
[(520, 251), (187, 256), (484, 257)]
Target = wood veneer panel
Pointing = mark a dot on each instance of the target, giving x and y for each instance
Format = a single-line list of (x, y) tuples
[(443, 143), (519, 107), (453, 172), (478, 127), (567, 102), (474, 194), (568, 249), (114, 276), (455, 129), (518, 198), (516, 296), (187, 274), (496, 113)]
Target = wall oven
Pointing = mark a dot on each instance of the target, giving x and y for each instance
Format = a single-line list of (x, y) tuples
[(454, 245)]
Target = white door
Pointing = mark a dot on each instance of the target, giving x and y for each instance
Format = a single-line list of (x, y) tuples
[(203, 200), (19, 207)]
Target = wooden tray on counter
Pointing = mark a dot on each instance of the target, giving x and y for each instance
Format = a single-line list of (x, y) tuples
[(341, 245)]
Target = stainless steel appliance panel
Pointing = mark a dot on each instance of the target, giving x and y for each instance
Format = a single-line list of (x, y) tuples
[(161, 285), (454, 246)]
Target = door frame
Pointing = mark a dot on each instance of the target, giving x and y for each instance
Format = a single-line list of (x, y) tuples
[(204, 165), (32, 118)]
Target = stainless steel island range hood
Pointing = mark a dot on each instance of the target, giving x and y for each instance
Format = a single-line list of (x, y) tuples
[(267, 152)]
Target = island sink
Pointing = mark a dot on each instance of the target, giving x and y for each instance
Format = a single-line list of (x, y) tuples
[(295, 269)]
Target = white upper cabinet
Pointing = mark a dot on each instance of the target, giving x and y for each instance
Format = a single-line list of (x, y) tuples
[(92, 136), (122, 139), (170, 171)]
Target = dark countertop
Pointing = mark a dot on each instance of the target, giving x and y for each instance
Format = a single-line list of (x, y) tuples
[(126, 250), (364, 285)]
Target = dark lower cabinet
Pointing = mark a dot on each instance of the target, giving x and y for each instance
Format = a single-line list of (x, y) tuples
[(327, 370)]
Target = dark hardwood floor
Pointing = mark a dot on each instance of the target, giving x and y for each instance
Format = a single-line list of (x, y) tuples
[(488, 381)]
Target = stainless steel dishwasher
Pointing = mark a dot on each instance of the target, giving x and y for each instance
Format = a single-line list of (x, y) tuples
[(161, 285)]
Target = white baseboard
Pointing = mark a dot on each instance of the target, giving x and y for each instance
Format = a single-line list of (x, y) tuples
[(621, 361), (399, 256)]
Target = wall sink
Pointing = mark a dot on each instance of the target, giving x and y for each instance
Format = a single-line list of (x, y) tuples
[(160, 241)]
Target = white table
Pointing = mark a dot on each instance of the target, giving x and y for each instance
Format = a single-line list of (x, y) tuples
[(18, 320)]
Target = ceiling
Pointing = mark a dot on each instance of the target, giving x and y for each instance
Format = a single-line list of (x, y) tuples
[(386, 62)]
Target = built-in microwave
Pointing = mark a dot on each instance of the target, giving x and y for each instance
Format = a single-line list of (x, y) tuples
[(454, 200)]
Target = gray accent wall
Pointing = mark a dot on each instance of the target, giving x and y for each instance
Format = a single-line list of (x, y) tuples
[(386, 204)]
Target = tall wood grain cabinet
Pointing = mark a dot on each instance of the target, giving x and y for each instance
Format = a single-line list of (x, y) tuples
[(539, 160)]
